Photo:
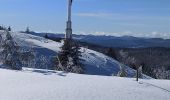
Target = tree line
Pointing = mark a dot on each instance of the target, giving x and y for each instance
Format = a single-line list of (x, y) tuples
[(4, 28)]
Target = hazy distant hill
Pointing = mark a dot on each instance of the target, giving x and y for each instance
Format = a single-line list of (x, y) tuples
[(116, 42)]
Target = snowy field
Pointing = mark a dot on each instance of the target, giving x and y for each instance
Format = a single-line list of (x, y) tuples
[(32, 84)]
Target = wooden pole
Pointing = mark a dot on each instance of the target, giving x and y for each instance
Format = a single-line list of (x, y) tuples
[(137, 76)]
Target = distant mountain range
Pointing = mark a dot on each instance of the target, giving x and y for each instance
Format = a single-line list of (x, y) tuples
[(115, 42)]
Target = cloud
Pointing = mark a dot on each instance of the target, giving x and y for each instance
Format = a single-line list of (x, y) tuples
[(153, 34), (120, 16), (98, 15)]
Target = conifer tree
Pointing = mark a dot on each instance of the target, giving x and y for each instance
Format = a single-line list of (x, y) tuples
[(46, 36), (1, 28), (112, 53), (69, 58), (27, 30), (9, 28), (10, 52)]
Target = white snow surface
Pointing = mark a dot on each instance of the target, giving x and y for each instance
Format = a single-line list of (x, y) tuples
[(36, 84)]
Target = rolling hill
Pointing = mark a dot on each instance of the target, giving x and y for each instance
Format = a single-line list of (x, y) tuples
[(95, 63)]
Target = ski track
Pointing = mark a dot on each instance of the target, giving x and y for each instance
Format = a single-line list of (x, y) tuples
[(159, 87)]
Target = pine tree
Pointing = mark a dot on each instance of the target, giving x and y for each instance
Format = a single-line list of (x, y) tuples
[(10, 52), (9, 28), (76, 54), (63, 55), (69, 58), (112, 53), (1, 28), (27, 30), (46, 36)]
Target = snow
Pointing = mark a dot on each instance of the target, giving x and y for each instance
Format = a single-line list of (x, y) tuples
[(95, 63), (30, 40), (36, 84), (41, 84)]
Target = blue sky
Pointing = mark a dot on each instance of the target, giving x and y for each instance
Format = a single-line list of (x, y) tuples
[(143, 18)]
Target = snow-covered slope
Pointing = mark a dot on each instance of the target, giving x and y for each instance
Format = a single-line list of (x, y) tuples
[(95, 62), (49, 85)]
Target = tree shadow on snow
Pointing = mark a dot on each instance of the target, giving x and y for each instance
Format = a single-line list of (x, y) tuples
[(50, 72)]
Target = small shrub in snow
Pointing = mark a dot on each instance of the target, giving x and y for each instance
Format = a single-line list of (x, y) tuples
[(43, 62), (122, 72), (28, 57)]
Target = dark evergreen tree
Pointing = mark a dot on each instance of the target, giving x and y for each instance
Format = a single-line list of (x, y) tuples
[(147, 70), (76, 58), (62, 57), (9, 28), (2, 28), (46, 36), (27, 30), (112, 53), (69, 58)]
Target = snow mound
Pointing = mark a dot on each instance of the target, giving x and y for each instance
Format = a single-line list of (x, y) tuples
[(36, 84)]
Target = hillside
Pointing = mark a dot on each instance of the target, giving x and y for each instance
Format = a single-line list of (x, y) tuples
[(95, 63), (153, 54), (37, 84)]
